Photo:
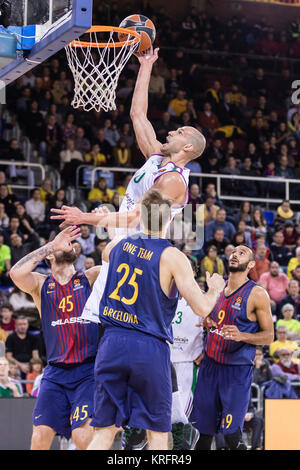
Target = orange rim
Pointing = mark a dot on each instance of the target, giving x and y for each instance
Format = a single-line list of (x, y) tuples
[(101, 29)]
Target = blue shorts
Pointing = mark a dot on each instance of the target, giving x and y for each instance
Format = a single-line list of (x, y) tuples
[(132, 381), (65, 399), (221, 397)]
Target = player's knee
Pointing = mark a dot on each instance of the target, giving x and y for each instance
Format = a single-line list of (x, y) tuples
[(235, 440), (82, 437), (42, 437)]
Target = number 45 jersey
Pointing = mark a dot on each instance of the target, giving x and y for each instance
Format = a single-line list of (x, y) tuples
[(69, 339), (133, 298)]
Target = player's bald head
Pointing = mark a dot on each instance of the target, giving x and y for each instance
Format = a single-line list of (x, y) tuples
[(198, 141)]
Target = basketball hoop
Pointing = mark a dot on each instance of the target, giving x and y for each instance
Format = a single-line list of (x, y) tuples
[(96, 66)]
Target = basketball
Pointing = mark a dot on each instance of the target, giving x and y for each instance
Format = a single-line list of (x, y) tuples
[(141, 24)]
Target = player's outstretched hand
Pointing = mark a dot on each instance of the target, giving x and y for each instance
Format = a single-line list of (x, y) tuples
[(69, 215), (215, 281), (63, 240), (147, 57)]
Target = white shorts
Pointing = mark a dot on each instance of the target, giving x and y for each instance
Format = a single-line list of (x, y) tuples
[(91, 309), (186, 378)]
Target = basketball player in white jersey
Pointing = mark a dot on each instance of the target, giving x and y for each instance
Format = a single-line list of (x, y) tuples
[(164, 170), (186, 348)]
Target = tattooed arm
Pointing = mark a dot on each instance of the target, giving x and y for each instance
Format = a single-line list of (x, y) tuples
[(21, 273)]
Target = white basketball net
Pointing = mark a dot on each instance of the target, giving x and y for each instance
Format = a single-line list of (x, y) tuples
[(96, 71)]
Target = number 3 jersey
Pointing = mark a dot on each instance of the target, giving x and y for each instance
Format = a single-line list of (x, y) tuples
[(133, 298), (188, 338), (69, 339)]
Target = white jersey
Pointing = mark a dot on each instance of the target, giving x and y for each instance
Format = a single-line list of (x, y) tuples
[(143, 180), (188, 338)]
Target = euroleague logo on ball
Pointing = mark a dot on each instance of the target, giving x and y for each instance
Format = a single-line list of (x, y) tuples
[(142, 25)]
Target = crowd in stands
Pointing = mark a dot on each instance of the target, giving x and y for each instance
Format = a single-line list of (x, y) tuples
[(252, 129)]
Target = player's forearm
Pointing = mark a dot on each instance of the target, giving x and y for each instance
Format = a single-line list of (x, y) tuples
[(29, 262), (202, 304), (139, 104), (257, 339), (114, 219)]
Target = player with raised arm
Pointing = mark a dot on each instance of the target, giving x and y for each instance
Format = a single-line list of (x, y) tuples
[(240, 320), (65, 400), (132, 370), (164, 170)]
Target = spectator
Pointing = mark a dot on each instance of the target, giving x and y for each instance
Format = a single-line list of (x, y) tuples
[(8, 199), (95, 157), (275, 283), (157, 82), (7, 320), (290, 235), (80, 260), (242, 228), (254, 423), (211, 263), (35, 369), (14, 372), (4, 219), (46, 191), (208, 120), (35, 208), (178, 105), (262, 264), (100, 193), (22, 346), (111, 132), (218, 241), (292, 325), (220, 222), (280, 252), (81, 143), (103, 143), (96, 254), (284, 213), (292, 297), (262, 369), (69, 129), (56, 201), (89, 262), (50, 144), (259, 223), (293, 263), (20, 249), (207, 212), (282, 341), (296, 274), (86, 239), (5, 261), (7, 387), (70, 159), (286, 366), (3, 336), (27, 226), (122, 154)]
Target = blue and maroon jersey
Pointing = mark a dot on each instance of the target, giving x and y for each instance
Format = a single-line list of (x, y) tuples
[(232, 310), (69, 339)]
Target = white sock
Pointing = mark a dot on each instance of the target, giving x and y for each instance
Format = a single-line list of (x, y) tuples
[(178, 414)]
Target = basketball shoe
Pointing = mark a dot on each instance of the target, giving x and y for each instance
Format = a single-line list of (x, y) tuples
[(185, 436), (134, 439)]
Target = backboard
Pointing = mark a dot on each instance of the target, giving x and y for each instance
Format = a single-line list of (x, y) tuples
[(64, 21)]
